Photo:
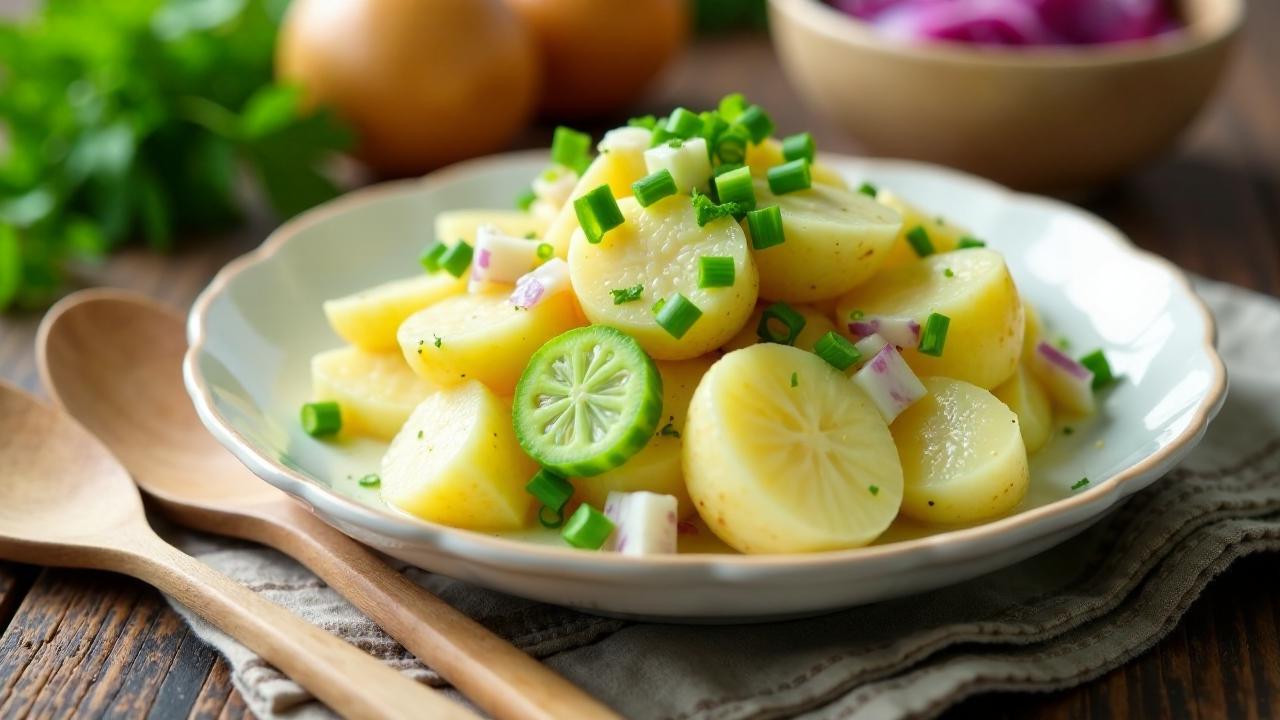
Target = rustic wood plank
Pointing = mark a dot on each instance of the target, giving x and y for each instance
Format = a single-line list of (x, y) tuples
[(214, 698)]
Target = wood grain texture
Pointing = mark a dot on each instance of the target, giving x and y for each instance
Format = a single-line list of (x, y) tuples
[(1213, 206)]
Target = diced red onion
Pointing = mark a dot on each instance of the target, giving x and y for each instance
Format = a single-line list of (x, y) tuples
[(548, 279), (500, 258), (645, 523), (889, 382), (903, 332), (869, 346), (1069, 383)]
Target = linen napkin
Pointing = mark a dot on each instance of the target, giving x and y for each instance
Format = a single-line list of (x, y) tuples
[(1059, 619)]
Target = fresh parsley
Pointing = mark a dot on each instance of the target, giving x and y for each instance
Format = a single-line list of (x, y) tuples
[(626, 295)]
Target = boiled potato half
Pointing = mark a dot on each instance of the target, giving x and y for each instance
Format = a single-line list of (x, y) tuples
[(376, 391), (658, 248), (369, 319), (971, 287), (456, 462), (1028, 399), (962, 455), (482, 336), (656, 468), (782, 453), (835, 240), (944, 235)]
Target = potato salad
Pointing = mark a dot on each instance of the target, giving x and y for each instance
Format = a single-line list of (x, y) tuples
[(696, 327)]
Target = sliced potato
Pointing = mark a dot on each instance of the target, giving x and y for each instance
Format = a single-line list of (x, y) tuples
[(1034, 331), (984, 340), (369, 319), (482, 336), (618, 168), (455, 225), (769, 153), (658, 247), (816, 324), (656, 468), (943, 234), (1028, 399), (782, 453), (962, 455), (376, 391), (456, 462), (835, 240)]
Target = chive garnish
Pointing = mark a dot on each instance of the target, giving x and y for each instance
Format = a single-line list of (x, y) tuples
[(934, 335)]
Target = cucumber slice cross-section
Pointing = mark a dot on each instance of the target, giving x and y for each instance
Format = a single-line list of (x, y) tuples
[(588, 400)]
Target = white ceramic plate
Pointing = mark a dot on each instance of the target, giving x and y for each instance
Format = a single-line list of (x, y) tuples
[(255, 327)]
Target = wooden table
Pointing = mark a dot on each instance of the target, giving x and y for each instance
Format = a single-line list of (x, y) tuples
[(92, 644)]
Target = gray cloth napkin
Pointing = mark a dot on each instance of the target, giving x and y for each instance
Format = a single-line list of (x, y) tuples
[(1058, 619)]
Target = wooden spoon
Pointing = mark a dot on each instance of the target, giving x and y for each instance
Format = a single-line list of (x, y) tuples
[(113, 359), (66, 500)]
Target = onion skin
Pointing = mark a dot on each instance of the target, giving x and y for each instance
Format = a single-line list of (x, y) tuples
[(422, 82)]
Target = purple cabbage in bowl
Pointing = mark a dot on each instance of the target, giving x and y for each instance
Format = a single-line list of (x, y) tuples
[(1016, 22)]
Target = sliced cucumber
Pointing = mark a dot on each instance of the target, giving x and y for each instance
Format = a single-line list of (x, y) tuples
[(588, 400)]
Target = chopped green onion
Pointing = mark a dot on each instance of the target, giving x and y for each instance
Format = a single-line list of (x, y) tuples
[(370, 480), (683, 124), (662, 135), (598, 213), (735, 186), (934, 335), (457, 259), (545, 251), (571, 148), (550, 488), (780, 312), (705, 211), (712, 126), (321, 418), (1068, 430), (948, 272), (873, 489), (731, 106), (626, 295), (723, 168), (1082, 482), (647, 122), (715, 272), (430, 257), (526, 199), (789, 177), (757, 123), (731, 144), (967, 242), (837, 351), (657, 306), (587, 529), (868, 189), (765, 225), (550, 519), (653, 187), (799, 147), (918, 239), (795, 379), (1097, 364), (677, 315)]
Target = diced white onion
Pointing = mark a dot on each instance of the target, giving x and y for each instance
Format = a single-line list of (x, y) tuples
[(689, 164), (500, 258), (1069, 383), (555, 185), (634, 139), (548, 279), (903, 332), (645, 523), (889, 382)]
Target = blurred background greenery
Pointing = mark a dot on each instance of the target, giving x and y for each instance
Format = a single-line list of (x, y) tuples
[(140, 120)]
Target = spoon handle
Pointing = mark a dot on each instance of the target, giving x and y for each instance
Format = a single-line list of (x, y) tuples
[(349, 681), (491, 672)]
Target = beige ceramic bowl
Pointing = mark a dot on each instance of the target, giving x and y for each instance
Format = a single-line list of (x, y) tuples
[(1038, 118)]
